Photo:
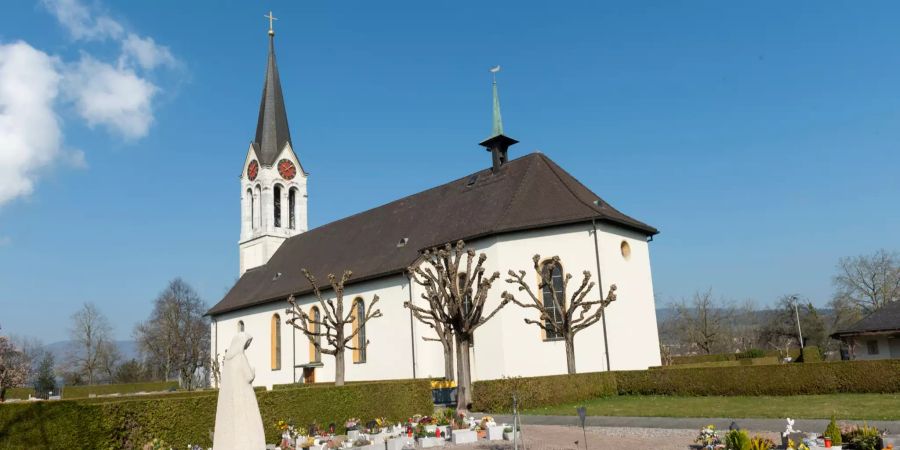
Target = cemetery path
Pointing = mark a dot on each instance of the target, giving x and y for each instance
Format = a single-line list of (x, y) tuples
[(690, 423), (558, 437)]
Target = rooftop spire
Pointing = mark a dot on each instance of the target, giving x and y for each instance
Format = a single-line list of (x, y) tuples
[(272, 131), (498, 119), (498, 144)]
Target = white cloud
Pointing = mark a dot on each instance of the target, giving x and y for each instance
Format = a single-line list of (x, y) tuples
[(146, 52), (30, 135), (113, 97), (80, 21)]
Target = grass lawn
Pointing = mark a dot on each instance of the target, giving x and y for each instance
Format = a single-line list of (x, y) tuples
[(844, 406)]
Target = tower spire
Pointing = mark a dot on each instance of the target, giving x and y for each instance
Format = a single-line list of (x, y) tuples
[(272, 132), (498, 144)]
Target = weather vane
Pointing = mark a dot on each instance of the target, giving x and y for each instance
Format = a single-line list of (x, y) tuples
[(272, 20)]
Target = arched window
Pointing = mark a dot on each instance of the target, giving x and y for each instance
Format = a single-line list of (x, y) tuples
[(292, 208), (257, 208), (553, 309), (276, 342), (359, 310), (252, 203), (277, 204), (314, 354), (240, 326)]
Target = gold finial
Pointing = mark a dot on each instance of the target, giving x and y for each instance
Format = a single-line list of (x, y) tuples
[(272, 19)]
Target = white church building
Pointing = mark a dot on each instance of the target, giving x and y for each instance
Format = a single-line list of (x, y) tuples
[(510, 211)]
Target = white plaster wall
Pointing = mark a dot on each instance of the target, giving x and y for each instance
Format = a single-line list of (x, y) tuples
[(861, 351), (505, 345)]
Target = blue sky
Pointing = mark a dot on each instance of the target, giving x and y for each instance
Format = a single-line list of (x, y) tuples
[(760, 139)]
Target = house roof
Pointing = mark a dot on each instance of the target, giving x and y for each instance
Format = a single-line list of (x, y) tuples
[(887, 318), (272, 131), (526, 193)]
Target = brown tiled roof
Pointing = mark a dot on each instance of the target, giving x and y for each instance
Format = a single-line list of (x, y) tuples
[(527, 193), (887, 318)]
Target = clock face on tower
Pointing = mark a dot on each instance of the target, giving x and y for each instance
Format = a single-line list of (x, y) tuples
[(287, 169), (252, 170)]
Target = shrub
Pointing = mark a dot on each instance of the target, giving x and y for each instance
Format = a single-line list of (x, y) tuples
[(783, 379), (188, 418), (811, 354), (72, 392), (751, 353), (737, 440), (496, 395), (19, 393), (833, 431)]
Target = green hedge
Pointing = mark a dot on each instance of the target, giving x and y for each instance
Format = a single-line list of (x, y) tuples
[(811, 353), (496, 395), (765, 360), (782, 379), (72, 392), (19, 393), (749, 354), (188, 419)]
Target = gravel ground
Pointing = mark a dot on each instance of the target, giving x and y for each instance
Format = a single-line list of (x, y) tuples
[(557, 437)]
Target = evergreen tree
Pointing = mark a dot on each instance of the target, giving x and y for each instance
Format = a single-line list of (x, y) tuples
[(45, 379)]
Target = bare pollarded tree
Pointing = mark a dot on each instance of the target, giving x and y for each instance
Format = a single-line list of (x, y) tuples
[(331, 322), (455, 297), (557, 315), (444, 335)]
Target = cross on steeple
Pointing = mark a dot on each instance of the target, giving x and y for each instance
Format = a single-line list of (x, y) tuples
[(272, 19)]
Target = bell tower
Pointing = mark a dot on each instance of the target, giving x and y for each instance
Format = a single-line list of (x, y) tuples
[(273, 182)]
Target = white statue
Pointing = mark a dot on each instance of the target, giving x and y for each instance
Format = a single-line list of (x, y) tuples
[(238, 423), (790, 427)]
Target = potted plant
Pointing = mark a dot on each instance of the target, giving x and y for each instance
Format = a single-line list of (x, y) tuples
[(509, 435), (463, 431), (352, 426)]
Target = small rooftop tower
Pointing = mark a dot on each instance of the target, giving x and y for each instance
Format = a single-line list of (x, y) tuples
[(498, 144)]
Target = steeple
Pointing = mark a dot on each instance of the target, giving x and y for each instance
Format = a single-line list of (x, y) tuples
[(272, 131), (498, 144)]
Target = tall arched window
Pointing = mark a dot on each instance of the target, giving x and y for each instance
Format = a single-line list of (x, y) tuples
[(276, 342), (359, 310), (257, 208), (553, 309), (292, 208), (240, 326), (277, 203), (314, 354), (252, 203)]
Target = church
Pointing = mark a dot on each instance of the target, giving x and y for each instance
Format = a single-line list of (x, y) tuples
[(510, 210)]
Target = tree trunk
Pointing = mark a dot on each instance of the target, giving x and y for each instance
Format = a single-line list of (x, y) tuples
[(2, 395), (464, 375), (448, 359), (570, 353), (339, 367)]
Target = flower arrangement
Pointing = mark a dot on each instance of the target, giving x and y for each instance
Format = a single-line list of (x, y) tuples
[(737, 440), (305, 442), (361, 442), (352, 424), (761, 443), (426, 420), (444, 417), (487, 421), (708, 436)]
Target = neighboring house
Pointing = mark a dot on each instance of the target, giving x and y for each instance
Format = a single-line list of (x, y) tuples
[(877, 336), (510, 211)]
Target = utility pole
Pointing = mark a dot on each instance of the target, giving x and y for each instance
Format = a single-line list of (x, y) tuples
[(797, 316)]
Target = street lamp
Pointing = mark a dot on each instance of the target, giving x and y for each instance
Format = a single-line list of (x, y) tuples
[(797, 316)]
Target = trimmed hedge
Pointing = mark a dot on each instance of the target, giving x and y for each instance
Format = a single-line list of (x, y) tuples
[(765, 360), (879, 376), (716, 357), (811, 354), (19, 393), (183, 420), (496, 395), (72, 392)]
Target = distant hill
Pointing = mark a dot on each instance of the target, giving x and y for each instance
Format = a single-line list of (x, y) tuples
[(128, 349)]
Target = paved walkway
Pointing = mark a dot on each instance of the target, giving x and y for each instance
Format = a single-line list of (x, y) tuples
[(691, 423)]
